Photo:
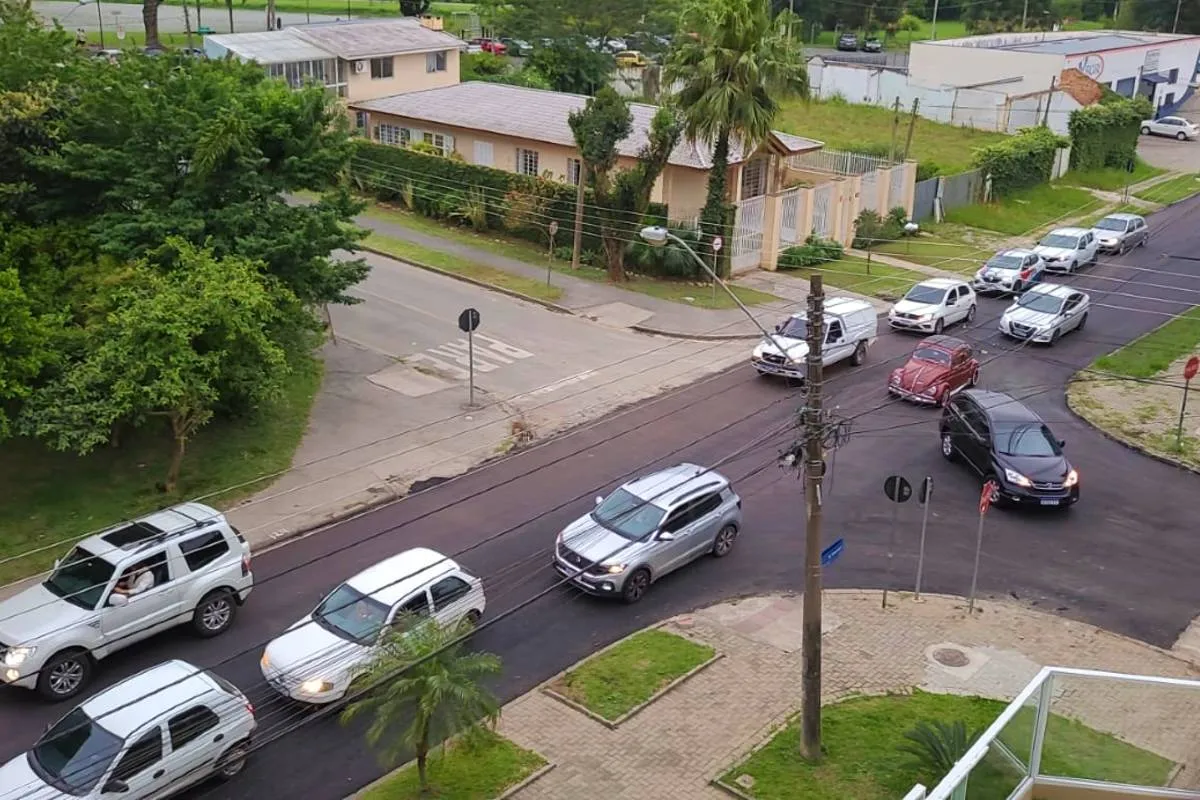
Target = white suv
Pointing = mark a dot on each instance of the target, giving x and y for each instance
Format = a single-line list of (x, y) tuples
[(152, 735), (185, 564), (933, 304)]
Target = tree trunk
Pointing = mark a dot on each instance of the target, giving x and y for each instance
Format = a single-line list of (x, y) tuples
[(712, 218), (179, 434), (229, 7), (423, 759), (150, 23), (614, 256)]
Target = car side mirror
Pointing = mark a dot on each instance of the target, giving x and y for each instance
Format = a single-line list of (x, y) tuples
[(118, 600), (666, 536), (1062, 442), (599, 499), (116, 786), (57, 562), (779, 327)]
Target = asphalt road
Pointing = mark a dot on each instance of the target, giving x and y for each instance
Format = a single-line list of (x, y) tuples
[(170, 17), (1122, 559)]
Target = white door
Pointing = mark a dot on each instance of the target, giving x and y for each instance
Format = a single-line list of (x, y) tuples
[(140, 772), (452, 598), (483, 153), (144, 613), (197, 740)]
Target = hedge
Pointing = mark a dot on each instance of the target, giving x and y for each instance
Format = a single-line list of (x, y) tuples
[(1021, 161), (1106, 134), (442, 187)]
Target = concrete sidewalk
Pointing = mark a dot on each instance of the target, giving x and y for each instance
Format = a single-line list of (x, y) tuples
[(706, 725)]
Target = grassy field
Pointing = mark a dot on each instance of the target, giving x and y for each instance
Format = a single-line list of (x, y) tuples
[(1092, 219), (946, 29), (1111, 179), (862, 737), (51, 497), (846, 126), (1157, 350), (336, 8), (853, 274), (135, 39), (1172, 191), (622, 678), (477, 771), (1029, 210)]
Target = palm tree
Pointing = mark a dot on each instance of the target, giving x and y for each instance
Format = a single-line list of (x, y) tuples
[(732, 68), (422, 677)]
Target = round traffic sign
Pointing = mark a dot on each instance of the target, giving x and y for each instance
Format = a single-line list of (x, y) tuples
[(554, 227), (897, 489), (987, 496), (717, 242), (1191, 368), (468, 320)]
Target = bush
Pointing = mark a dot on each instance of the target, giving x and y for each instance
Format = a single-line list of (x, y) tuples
[(813, 252), (870, 229), (1020, 161), (669, 260), (1106, 134)]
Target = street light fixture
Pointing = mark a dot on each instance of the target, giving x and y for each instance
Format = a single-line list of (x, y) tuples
[(99, 18)]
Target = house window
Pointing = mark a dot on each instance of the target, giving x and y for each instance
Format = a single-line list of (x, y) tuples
[(360, 120), (754, 178), (574, 171), (440, 141), (435, 62), (392, 134), (381, 68), (527, 161)]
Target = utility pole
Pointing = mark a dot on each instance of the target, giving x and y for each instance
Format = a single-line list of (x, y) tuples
[(895, 129), (199, 22), (229, 5), (912, 124), (187, 24), (933, 25), (577, 241), (1024, 14), (1175, 25), (270, 15), (792, 13), (814, 472), (1049, 101)]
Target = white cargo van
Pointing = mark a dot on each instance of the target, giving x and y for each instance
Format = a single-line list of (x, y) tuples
[(850, 327)]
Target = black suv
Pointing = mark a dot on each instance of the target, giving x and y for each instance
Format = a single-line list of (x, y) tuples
[(1005, 441)]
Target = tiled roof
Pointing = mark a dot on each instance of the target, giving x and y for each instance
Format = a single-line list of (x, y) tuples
[(541, 116), (350, 40)]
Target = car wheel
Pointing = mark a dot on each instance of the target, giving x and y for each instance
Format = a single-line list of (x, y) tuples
[(1082, 322), (1054, 337), (1142, 243), (860, 354), (1181, 136), (724, 541), (214, 613), (974, 378), (231, 762), (65, 675), (942, 397), (1121, 249), (1145, 130), (948, 446), (1018, 287), (473, 616), (939, 326), (970, 314), (636, 585)]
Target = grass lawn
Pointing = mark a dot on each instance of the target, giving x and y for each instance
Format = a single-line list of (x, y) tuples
[(861, 739), (846, 126), (53, 496), (676, 291), (480, 771), (616, 681), (851, 273), (1091, 220), (932, 251), (135, 38), (1024, 212), (1111, 179), (334, 8), (1172, 191), (1157, 350)]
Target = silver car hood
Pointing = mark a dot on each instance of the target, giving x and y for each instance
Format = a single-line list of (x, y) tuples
[(596, 543), (1027, 316)]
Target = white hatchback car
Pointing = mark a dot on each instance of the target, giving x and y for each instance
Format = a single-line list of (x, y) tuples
[(319, 657), (1010, 272), (1175, 127), (152, 735), (182, 565), (933, 304), (1044, 313), (1068, 249)]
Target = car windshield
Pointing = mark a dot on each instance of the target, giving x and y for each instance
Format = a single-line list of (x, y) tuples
[(80, 578), (1059, 240), (1024, 439), (1110, 224), (794, 328), (932, 355), (1038, 301), (74, 754), (1004, 262), (351, 615), (925, 294), (628, 515)]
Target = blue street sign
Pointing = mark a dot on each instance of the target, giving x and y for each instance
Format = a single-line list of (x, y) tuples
[(830, 554)]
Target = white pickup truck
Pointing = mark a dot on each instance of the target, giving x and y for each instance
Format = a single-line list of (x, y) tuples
[(851, 325)]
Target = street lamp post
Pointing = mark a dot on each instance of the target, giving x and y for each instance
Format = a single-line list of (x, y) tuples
[(99, 18)]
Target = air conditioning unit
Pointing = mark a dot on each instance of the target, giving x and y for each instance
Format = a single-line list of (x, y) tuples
[(360, 66)]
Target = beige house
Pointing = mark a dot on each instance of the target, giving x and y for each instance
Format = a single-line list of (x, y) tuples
[(357, 59), (525, 130)]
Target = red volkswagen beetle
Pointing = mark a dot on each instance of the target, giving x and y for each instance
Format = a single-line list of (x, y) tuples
[(938, 367)]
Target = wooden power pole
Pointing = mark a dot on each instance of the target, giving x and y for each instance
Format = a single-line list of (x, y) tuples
[(912, 123), (577, 240), (814, 472)]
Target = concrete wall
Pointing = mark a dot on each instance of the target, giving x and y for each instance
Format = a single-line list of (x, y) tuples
[(943, 64), (1112, 66), (408, 75)]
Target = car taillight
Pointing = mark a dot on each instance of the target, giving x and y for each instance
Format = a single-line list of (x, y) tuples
[(739, 502), (249, 707), (245, 565), (1025, 273)]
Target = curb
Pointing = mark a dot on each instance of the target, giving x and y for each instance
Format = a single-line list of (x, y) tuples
[(700, 337), (536, 775)]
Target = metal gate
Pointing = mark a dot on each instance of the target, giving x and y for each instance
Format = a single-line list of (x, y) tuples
[(923, 197), (822, 200), (789, 217), (745, 252)]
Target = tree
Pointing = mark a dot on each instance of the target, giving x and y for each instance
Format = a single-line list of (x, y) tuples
[(414, 8), (731, 76), (569, 65), (150, 23), (177, 336), (422, 676), (26, 345), (559, 19)]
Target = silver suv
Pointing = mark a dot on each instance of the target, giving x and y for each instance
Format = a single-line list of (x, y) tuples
[(648, 528), (185, 564)]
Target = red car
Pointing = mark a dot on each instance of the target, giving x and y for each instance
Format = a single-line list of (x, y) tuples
[(938, 367), (490, 46)]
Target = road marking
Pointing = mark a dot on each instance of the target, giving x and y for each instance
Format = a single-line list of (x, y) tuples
[(567, 381), (453, 358)]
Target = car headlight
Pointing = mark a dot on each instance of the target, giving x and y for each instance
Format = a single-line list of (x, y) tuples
[(613, 569), (16, 656), (264, 662), (316, 686), (1015, 477), (925, 317), (1072, 479), (931, 391)]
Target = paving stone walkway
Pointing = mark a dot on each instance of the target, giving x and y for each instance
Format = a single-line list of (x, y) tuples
[(673, 748)]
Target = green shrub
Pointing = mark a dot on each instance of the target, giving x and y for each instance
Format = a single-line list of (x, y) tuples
[(871, 229), (669, 260), (813, 252), (936, 747), (1020, 161), (1106, 134)]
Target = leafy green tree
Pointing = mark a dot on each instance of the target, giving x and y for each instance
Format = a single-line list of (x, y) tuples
[(422, 677), (26, 345), (414, 8), (732, 75), (176, 338), (30, 53), (557, 19), (569, 65)]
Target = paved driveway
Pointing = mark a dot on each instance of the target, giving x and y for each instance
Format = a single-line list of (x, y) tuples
[(1159, 151)]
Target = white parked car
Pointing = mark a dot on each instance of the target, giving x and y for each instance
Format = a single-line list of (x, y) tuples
[(1010, 272), (1175, 127), (933, 304), (851, 326), (1044, 313), (1068, 249), (182, 565), (150, 736), (319, 657)]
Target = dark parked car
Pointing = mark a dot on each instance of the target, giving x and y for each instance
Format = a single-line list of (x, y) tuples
[(1004, 440), (848, 41), (872, 45)]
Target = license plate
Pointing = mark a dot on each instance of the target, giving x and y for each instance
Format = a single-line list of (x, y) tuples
[(1049, 502)]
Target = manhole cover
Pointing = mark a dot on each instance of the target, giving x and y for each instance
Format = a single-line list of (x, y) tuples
[(951, 657)]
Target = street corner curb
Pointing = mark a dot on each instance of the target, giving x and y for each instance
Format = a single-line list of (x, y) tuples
[(1124, 441), (699, 337), (481, 284), (530, 779)]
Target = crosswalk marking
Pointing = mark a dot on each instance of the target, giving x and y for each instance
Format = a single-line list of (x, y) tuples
[(453, 358)]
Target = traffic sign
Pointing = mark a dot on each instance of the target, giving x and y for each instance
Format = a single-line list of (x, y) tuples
[(926, 490), (830, 554), (897, 489), (717, 242), (553, 228), (1191, 368), (468, 320), (987, 496)]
